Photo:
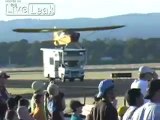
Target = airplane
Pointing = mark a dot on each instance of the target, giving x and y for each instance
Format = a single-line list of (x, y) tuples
[(64, 36)]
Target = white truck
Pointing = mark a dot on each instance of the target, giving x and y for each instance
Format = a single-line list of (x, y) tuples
[(64, 63)]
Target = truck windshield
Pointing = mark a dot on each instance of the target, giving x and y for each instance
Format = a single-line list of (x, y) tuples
[(74, 58), (71, 63)]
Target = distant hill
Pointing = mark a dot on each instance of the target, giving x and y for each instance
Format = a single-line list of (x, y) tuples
[(137, 25)]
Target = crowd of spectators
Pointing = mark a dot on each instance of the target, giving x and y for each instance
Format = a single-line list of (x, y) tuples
[(48, 102)]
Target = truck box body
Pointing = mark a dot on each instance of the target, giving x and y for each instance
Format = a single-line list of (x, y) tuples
[(64, 64)]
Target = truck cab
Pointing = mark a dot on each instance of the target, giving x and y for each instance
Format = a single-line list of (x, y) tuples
[(64, 63)]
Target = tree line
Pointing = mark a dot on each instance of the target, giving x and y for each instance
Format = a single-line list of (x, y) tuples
[(135, 50)]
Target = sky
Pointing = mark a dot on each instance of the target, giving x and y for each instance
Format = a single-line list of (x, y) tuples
[(66, 9)]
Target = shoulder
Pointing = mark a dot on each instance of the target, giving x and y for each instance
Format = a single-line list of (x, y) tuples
[(130, 111), (139, 84), (22, 109), (10, 114), (61, 94), (134, 84), (74, 117), (143, 83), (141, 111), (108, 107)]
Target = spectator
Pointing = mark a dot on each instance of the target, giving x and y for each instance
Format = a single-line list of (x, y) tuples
[(145, 75), (17, 98), (155, 75), (104, 109), (39, 113), (122, 109), (89, 115), (11, 113), (134, 99), (38, 88), (56, 103), (3, 94), (76, 107), (150, 110), (22, 110)]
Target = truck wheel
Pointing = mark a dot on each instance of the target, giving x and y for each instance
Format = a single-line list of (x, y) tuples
[(82, 78), (63, 79), (71, 79)]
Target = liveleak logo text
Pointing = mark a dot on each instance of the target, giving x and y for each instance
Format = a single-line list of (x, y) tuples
[(17, 8)]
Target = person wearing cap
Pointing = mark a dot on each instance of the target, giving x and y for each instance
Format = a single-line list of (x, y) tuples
[(134, 99), (122, 109), (56, 102), (76, 107), (39, 113), (151, 109), (145, 75), (38, 88), (104, 109), (4, 96), (3, 91)]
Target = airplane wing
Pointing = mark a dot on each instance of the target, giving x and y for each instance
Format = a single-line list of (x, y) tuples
[(43, 30)]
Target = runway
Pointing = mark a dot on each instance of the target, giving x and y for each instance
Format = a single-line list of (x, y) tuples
[(88, 87)]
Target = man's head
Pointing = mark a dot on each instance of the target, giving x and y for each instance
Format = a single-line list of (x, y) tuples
[(3, 78), (106, 90), (38, 87), (53, 89), (134, 97), (11, 103), (154, 91), (23, 102), (146, 73)]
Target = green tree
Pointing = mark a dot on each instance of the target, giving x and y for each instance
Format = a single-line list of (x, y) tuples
[(34, 55), (4, 55), (135, 50), (95, 50), (18, 51), (115, 49)]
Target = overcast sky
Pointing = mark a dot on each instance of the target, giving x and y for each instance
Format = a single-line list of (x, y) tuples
[(65, 9)]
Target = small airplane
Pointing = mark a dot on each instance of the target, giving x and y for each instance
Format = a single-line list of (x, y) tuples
[(64, 36)]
